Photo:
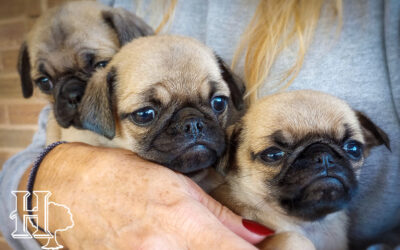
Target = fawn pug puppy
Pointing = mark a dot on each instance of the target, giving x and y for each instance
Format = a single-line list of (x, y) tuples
[(66, 46), (293, 164), (167, 98)]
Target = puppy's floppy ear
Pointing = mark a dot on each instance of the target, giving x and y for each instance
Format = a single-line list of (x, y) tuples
[(235, 84), (373, 135), (96, 108), (227, 163), (127, 25), (24, 70)]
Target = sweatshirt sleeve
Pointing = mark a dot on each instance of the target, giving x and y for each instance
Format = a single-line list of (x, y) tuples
[(10, 175)]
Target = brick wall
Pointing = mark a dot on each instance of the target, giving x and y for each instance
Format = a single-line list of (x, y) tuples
[(18, 116)]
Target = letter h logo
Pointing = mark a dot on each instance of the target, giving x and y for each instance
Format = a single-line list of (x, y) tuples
[(31, 214)]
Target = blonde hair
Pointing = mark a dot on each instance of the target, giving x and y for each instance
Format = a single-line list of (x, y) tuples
[(167, 17), (275, 25), (159, 13)]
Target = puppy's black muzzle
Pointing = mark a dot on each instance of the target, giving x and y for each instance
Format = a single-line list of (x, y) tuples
[(68, 95), (319, 181), (193, 141)]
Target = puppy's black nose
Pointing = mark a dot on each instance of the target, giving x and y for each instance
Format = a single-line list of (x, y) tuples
[(188, 122), (324, 159), (193, 126), (320, 154), (73, 92), (74, 97)]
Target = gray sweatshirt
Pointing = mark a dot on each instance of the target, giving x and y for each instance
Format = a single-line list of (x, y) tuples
[(361, 66)]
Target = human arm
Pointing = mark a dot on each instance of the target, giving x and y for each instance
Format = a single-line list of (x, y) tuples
[(121, 201)]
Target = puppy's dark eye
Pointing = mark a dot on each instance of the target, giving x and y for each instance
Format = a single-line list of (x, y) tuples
[(143, 116), (353, 149), (219, 103), (272, 154), (101, 64), (44, 84)]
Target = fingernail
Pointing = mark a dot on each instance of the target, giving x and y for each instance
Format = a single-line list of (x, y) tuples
[(256, 228)]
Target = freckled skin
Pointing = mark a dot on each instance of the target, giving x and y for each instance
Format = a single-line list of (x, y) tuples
[(133, 214)]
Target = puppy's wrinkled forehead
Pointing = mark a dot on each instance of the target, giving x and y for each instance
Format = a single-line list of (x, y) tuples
[(294, 115), (168, 66)]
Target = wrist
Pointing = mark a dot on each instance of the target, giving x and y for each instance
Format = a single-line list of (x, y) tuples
[(58, 165)]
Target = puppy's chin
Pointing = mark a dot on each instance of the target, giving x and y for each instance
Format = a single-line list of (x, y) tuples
[(187, 157), (193, 159), (66, 113), (319, 198)]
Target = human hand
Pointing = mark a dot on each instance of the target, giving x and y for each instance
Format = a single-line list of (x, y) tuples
[(120, 201)]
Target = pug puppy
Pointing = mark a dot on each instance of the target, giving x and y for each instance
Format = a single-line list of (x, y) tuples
[(67, 45), (167, 98), (293, 165)]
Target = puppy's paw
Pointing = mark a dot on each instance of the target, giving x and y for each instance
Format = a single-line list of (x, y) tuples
[(286, 241)]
